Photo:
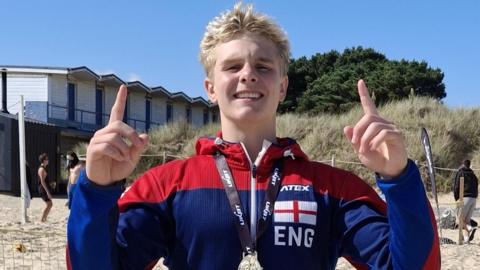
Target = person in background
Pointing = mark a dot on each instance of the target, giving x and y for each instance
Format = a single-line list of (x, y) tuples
[(44, 187), (74, 166), (470, 194)]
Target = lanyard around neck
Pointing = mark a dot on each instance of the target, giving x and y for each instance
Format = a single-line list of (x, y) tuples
[(248, 244)]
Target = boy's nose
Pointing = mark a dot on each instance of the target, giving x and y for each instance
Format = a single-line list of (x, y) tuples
[(248, 75)]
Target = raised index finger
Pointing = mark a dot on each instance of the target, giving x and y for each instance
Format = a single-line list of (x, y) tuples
[(367, 103), (118, 108)]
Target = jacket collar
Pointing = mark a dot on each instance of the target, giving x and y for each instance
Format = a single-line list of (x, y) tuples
[(285, 148)]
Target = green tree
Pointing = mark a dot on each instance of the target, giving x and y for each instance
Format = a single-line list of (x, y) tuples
[(327, 82)]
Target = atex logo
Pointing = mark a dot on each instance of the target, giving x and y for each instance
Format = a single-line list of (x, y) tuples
[(294, 188), (226, 177)]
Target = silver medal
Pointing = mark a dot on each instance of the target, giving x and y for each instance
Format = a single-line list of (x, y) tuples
[(250, 262)]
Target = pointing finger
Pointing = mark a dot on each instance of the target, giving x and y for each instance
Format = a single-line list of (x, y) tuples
[(118, 108), (367, 103)]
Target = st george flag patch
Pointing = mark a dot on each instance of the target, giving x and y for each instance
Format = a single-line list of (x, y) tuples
[(295, 212)]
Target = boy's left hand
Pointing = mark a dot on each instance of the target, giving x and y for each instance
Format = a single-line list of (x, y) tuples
[(379, 144)]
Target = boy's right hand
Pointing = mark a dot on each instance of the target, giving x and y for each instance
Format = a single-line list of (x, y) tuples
[(109, 157)]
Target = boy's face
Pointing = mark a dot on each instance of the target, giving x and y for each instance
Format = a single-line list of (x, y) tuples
[(246, 80)]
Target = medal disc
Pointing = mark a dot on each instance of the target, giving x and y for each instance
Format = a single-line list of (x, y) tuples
[(250, 262)]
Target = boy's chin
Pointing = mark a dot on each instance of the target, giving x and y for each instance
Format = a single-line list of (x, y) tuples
[(249, 118)]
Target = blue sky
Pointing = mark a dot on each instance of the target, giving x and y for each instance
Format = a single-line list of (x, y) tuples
[(157, 41)]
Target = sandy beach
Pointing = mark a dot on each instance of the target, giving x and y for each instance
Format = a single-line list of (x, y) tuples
[(37, 245)]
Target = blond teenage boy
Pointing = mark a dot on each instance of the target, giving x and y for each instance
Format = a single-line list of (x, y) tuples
[(248, 199)]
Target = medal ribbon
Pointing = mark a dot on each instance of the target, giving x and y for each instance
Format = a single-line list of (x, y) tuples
[(248, 244)]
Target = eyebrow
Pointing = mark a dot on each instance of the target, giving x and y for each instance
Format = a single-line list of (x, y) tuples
[(266, 60)]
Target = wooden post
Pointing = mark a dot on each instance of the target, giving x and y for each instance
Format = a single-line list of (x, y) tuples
[(164, 157), (333, 160), (460, 212)]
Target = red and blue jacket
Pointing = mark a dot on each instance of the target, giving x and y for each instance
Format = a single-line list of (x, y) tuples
[(180, 211)]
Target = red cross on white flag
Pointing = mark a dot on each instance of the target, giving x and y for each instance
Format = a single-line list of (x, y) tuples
[(296, 212)]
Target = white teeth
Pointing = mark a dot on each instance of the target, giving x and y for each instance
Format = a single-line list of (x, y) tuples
[(247, 95)]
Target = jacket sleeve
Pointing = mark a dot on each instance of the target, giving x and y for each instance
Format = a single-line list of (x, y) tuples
[(106, 232), (403, 238)]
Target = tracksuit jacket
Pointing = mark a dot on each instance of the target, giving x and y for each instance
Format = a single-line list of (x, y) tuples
[(180, 211)]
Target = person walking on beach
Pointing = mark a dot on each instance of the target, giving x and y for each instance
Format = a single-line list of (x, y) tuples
[(249, 199), (43, 187), (470, 183)]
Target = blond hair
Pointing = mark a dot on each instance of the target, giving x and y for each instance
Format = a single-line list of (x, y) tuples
[(239, 21)]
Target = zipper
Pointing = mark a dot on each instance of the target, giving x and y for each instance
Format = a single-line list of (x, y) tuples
[(253, 187), (253, 196), (253, 204)]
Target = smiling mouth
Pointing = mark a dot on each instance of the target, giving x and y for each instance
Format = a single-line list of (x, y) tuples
[(248, 95)]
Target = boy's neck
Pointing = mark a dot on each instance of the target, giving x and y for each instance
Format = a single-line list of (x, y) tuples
[(251, 137)]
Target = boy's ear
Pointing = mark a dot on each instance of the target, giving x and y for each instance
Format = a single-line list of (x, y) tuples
[(208, 84), (283, 88)]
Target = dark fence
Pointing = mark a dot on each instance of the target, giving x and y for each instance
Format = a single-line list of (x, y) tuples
[(39, 138)]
